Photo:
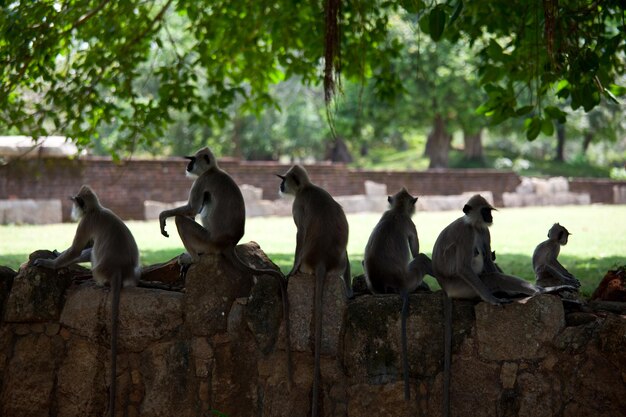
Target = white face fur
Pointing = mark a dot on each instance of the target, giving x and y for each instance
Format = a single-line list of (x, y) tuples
[(77, 212)]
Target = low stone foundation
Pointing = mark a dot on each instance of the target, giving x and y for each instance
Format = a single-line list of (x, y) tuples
[(220, 346)]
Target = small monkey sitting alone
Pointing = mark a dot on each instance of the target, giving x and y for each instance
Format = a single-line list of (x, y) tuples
[(114, 258), (321, 240), (393, 262), (548, 270)]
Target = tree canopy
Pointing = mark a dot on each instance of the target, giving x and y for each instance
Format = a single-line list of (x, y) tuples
[(76, 66)]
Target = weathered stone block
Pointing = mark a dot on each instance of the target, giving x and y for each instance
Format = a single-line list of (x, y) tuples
[(212, 285), (37, 294), (300, 292), (81, 388), (170, 385), (145, 315), (373, 339), (7, 275), (264, 312), (30, 211), (29, 378), (519, 330)]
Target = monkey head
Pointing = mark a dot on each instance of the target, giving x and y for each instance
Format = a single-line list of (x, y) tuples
[(478, 211), (200, 162), (558, 233), (84, 201), (293, 180), (403, 201)]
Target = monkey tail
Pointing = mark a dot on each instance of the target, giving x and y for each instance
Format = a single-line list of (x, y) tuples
[(320, 274), (234, 259), (116, 288), (405, 360), (447, 355)]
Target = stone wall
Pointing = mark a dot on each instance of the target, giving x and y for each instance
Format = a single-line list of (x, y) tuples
[(125, 187), (220, 346)]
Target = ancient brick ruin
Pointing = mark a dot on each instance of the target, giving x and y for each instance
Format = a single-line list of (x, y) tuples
[(219, 346)]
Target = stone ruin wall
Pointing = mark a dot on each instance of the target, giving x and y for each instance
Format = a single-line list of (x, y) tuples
[(219, 345)]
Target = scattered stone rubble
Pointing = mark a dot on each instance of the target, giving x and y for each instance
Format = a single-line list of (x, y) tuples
[(544, 192), (220, 345), (30, 211)]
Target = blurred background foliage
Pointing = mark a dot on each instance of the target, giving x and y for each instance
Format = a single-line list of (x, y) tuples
[(533, 86)]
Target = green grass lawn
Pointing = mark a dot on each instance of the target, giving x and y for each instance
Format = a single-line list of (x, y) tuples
[(597, 244)]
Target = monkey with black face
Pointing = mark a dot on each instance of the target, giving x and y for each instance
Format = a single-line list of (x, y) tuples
[(548, 270), (114, 258), (217, 198), (393, 262), (462, 258), (464, 266), (321, 241)]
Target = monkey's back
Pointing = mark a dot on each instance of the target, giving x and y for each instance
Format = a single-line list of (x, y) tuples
[(227, 215), (387, 252), (325, 227), (451, 239), (114, 249)]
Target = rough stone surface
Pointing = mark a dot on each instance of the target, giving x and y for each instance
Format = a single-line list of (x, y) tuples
[(301, 293), (264, 312), (6, 282), (522, 359), (518, 330), (38, 293), (212, 286), (170, 388), (83, 362), (30, 376)]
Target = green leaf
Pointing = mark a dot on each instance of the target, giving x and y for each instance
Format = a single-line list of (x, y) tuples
[(522, 111), (555, 113), (412, 6), (547, 127), (437, 22), (457, 12), (533, 127)]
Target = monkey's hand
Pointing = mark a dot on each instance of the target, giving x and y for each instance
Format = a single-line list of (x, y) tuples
[(162, 223), (44, 263)]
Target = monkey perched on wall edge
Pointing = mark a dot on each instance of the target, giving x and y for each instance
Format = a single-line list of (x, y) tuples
[(114, 259)]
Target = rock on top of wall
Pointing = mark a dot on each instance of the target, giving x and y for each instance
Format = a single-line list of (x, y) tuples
[(38, 294), (518, 330)]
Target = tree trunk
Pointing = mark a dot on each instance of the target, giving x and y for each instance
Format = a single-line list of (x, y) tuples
[(587, 138), (560, 142), (473, 146), (438, 144)]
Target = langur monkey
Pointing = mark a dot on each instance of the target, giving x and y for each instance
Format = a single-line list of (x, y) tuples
[(548, 270), (321, 240), (114, 259), (464, 267), (393, 262), (217, 198)]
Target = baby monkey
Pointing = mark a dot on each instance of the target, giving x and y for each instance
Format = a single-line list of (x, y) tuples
[(393, 262), (548, 270), (114, 258)]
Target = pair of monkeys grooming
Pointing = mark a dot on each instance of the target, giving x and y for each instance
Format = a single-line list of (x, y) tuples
[(321, 240)]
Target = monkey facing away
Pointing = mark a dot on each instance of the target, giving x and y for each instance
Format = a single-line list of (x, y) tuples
[(114, 259), (393, 262), (548, 270), (217, 198), (321, 241)]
